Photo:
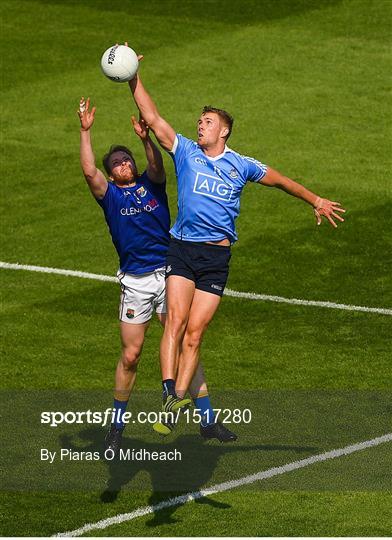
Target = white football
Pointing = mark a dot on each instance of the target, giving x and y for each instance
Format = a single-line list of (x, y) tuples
[(119, 63)]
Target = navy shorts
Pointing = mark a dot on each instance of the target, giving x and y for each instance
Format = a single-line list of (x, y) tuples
[(207, 265)]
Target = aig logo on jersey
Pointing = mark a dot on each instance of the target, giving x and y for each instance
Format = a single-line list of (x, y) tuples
[(212, 186)]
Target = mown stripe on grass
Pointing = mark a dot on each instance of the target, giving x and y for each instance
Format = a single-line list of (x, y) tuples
[(225, 486), (228, 292)]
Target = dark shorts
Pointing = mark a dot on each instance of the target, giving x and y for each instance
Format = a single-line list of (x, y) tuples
[(205, 264)]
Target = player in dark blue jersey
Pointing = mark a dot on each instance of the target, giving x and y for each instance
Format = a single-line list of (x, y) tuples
[(137, 213), (210, 178)]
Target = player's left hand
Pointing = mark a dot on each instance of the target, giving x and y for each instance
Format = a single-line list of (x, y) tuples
[(141, 128), (328, 209)]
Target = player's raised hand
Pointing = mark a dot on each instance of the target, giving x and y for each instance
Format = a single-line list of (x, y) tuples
[(86, 116), (140, 127), (328, 209), (139, 56)]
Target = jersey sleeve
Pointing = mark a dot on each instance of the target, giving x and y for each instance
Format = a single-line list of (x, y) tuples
[(181, 147), (254, 170), (106, 203)]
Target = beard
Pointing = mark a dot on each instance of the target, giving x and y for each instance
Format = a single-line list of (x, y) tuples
[(126, 175)]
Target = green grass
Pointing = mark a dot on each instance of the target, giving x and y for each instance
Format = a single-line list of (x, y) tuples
[(58, 325), (309, 86)]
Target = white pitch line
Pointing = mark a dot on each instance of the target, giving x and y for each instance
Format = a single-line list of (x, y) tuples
[(225, 486), (228, 292), (62, 272), (299, 302)]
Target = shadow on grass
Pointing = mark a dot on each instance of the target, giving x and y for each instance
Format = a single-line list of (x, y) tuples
[(95, 300), (347, 265), (169, 479)]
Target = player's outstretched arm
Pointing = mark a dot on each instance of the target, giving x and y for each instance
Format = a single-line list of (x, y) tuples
[(95, 179), (155, 168), (148, 110), (321, 207)]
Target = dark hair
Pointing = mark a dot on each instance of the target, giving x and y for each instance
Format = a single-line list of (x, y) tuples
[(223, 115), (115, 148)]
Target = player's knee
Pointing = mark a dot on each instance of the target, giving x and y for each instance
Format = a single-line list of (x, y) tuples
[(130, 358), (175, 325), (193, 338)]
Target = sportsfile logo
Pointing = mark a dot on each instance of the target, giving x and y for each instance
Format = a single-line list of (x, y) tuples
[(111, 416), (212, 186)]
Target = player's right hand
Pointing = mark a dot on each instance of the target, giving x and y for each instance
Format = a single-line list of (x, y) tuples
[(140, 58), (86, 116)]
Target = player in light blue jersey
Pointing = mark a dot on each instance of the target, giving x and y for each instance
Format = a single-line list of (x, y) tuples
[(211, 177), (209, 189), (137, 213)]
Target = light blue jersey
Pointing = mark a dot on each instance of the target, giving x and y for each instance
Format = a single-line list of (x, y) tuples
[(209, 190)]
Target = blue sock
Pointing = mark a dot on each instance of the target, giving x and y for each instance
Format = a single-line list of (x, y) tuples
[(169, 388), (207, 414), (119, 406)]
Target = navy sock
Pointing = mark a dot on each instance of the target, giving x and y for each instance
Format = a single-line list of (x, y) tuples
[(169, 388), (207, 414), (120, 408)]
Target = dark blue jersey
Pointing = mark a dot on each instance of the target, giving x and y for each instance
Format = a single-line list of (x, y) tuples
[(139, 221)]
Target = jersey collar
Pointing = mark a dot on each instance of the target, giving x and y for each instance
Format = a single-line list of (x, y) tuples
[(226, 149)]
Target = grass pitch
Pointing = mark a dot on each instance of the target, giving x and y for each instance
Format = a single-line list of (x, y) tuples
[(308, 85)]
